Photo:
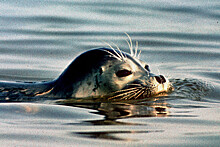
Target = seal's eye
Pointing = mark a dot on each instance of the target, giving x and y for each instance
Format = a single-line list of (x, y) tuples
[(123, 73), (147, 67)]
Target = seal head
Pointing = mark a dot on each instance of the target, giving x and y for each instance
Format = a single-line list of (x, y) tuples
[(108, 73)]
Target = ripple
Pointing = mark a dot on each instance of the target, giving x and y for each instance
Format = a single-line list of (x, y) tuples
[(190, 88), (203, 12), (45, 19), (178, 35)]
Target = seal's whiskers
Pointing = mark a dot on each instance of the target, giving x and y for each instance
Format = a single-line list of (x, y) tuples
[(139, 85), (136, 49), (137, 93), (122, 94), (128, 89), (113, 55), (122, 56), (127, 96), (133, 52), (129, 93), (130, 44), (140, 94), (138, 56)]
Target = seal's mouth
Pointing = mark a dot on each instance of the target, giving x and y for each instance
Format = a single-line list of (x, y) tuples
[(163, 89)]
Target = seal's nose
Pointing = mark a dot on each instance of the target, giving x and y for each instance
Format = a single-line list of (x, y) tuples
[(160, 79)]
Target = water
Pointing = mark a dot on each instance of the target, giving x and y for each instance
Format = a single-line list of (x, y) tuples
[(179, 39)]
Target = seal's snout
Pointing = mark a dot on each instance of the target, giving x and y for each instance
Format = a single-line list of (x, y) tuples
[(160, 79)]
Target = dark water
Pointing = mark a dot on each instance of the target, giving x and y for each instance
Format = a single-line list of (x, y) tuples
[(180, 39)]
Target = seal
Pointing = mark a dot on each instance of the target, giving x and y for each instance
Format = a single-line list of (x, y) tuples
[(97, 73)]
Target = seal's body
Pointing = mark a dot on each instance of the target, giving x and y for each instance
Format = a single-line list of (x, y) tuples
[(98, 73)]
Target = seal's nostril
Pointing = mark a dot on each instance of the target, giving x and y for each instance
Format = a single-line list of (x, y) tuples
[(160, 79), (163, 79)]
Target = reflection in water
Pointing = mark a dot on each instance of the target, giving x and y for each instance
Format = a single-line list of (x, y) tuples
[(111, 135), (117, 110), (123, 109), (113, 111)]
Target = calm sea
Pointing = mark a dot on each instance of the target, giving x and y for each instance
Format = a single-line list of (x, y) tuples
[(178, 38)]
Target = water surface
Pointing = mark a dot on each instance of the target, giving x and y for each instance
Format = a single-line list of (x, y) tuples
[(179, 39)]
